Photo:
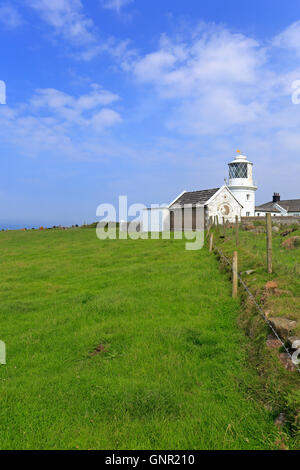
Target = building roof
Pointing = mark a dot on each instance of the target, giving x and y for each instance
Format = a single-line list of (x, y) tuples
[(195, 197), (290, 205), (267, 207)]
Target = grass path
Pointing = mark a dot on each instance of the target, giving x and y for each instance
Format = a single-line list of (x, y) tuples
[(174, 372)]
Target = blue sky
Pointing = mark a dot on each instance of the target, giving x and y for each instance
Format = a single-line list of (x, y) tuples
[(145, 99)]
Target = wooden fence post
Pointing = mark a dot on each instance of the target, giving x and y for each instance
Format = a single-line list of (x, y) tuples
[(208, 231), (217, 225), (269, 243), (237, 230), (211, 242), (235, 274), (224, 227)]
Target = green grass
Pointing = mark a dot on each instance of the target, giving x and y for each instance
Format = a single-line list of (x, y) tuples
[(286, 268), (174, 373), (282, 387)]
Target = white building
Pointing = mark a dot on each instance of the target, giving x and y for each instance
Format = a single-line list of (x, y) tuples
[(226, 202), (276, 207)]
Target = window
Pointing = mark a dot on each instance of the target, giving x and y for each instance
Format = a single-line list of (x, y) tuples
[(248, 197), (258, 214), (238, 170), (247, 214)]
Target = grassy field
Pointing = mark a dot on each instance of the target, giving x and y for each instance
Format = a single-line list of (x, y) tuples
[(286, 268), (171, 370), (282, 386)]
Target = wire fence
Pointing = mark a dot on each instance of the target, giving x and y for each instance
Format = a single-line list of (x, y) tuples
[(291, 268), (267, 321)]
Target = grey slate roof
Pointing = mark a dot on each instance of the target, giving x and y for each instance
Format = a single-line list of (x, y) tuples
[(195, 197), (290, 205), (267, 207)]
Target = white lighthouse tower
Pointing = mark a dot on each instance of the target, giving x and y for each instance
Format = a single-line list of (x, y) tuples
[(241, 183)]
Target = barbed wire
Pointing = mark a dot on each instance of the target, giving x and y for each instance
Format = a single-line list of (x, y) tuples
[(259, 308)]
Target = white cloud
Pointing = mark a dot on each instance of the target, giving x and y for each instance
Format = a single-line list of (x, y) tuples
[(9, 16), (215, 79), (60, 123), (214, 55), (115, 5), (58, 100), (289, 38), (67, 18), (118, 50), (89, 110), (105, 118)]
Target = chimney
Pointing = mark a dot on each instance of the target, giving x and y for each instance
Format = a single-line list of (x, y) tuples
[(276, 197)]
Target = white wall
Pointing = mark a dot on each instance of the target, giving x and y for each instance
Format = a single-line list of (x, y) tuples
[(224, 205), (248, 204), (263, 214), (277, 214)]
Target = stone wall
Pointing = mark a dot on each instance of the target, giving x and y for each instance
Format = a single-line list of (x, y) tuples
[(275, 220)]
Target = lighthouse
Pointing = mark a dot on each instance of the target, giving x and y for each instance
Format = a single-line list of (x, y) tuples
[(241, 183)]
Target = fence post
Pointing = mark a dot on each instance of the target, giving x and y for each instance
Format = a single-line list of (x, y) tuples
[(269, 243), (235, 274), (208, 231), (237, 230), (211, 242)]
